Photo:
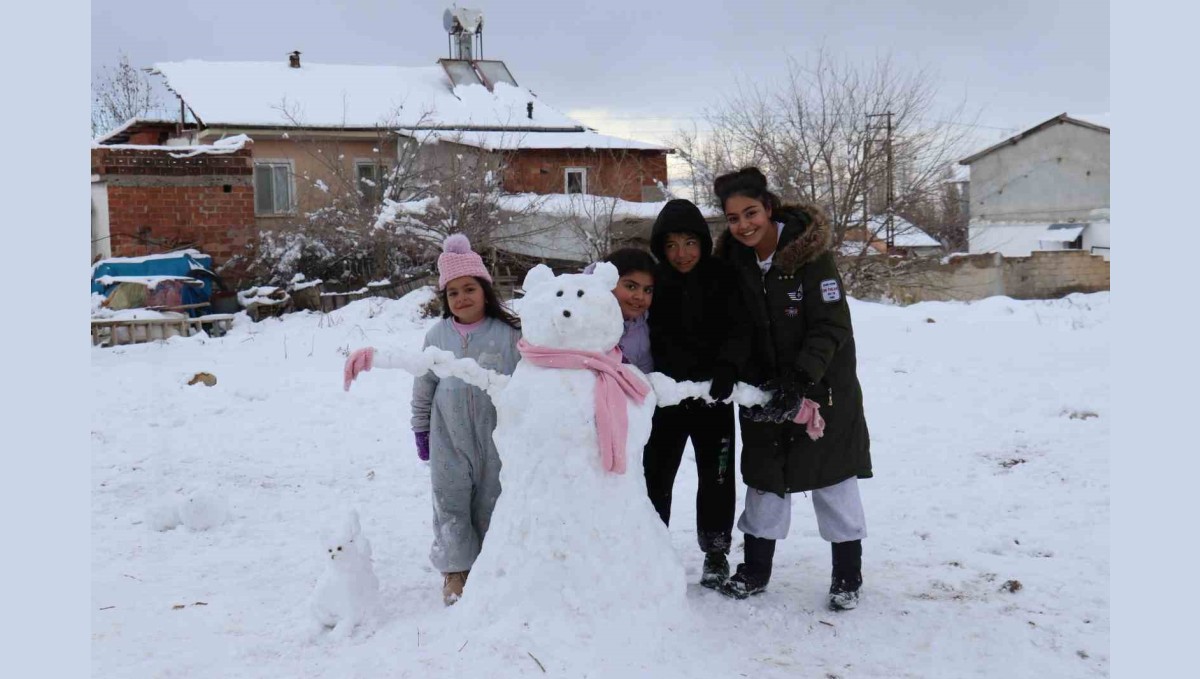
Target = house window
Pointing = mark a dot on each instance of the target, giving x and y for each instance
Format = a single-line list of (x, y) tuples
[(370, 180), (575, 180), (273, 188)]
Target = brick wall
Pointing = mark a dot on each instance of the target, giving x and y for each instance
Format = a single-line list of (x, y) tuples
[(158, 203), (625, 174)]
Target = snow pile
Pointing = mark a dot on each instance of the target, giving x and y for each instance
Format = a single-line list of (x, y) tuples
[(200, 510), (587, 204)]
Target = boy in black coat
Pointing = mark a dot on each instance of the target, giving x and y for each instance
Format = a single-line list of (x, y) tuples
[(697, 334)]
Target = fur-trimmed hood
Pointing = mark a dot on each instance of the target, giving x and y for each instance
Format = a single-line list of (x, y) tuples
[(806, 232)]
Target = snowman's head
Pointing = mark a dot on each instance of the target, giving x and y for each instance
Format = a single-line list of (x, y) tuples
[(342, 543), (572, 311)]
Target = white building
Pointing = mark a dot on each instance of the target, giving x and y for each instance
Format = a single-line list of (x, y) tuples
[(1046, 188)]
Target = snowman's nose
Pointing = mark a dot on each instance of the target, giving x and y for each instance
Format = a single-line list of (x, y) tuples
[(566, 313)]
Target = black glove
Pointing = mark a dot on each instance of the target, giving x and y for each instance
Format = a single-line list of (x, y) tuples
[(724, 376), (788, 389), (789, 379)]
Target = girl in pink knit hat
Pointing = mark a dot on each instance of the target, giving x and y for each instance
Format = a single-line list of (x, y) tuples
[(453, 421)]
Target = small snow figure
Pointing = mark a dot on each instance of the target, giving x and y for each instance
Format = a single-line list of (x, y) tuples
[(348, 588), (203, 510)]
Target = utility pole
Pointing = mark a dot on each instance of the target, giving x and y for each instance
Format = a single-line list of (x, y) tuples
[(889, 178)]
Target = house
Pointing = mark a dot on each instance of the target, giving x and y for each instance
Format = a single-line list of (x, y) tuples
[(908, 239), (1043, 189), (309, 125)]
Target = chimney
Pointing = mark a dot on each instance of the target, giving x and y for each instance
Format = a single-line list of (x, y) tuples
[(529, 109), (294, 59)]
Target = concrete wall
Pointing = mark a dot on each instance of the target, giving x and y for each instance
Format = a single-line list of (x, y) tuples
[(1043, 275), (328, 161), (101, 245), (1058, 174)]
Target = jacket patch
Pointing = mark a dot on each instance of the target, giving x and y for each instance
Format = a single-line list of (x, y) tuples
[(791, 312), (830, 292), (797, 295)]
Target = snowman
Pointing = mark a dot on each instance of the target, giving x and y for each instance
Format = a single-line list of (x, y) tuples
[(574, 535)]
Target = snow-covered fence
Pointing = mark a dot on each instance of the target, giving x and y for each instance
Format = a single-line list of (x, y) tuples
[(391, 290)]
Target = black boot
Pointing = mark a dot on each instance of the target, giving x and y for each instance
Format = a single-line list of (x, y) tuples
[(716, 570), (752, 576), (847, 575)]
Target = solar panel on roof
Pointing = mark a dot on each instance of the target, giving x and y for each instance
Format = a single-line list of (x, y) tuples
[(460, 71), (495, 72)]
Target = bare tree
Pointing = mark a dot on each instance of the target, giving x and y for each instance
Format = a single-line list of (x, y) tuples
[(120, 94), (356, 223), (811, 135)]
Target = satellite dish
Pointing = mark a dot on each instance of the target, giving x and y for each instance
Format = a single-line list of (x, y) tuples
[(448, 21)]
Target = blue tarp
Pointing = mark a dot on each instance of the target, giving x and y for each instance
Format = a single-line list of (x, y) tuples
[(183, 263)]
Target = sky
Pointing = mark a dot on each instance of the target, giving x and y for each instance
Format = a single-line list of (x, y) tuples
[(642, 69)]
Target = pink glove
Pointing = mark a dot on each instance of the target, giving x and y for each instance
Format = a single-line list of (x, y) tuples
[(423, 445), (359, 361), (810, 414)]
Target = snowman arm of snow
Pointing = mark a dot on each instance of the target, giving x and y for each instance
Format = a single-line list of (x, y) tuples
[(469, 371), (443, 364), (415, 362), (668, 392)]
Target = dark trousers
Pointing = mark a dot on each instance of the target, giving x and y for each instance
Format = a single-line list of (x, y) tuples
[(711, 429)]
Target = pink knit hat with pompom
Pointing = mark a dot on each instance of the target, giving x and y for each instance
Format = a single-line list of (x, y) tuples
[(458, 260)]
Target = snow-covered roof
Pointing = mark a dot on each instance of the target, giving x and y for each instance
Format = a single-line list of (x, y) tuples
[(506, 141), (568, 204), (907, 234), (148, 281), (1062, 233), (221, 146), (252, 93)]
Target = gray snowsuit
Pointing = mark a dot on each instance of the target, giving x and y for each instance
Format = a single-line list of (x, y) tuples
[(464, 465)]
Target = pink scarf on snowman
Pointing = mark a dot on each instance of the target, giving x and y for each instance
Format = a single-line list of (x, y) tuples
[(615, 382)]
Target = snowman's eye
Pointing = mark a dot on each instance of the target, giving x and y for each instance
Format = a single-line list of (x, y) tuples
[(339, 548), (559, 294), (579, 294)]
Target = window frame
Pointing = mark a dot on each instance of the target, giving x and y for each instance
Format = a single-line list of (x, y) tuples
[(583, 171), (378, 169), (291, 186)]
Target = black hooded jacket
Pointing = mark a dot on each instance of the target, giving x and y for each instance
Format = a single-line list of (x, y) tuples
[(696, 319), (800, 318)]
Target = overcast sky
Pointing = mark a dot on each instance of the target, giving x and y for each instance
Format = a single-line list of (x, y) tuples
[(641, 67)]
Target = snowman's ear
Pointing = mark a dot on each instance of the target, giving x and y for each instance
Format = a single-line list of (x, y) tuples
[(538, 275), (351, 526), (607, 275)]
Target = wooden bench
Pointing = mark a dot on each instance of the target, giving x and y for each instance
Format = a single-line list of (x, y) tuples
[(219, 324), (149, 329), (106, 332)]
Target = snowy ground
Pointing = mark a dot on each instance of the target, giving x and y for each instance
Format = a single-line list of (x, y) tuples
[(989, 424)]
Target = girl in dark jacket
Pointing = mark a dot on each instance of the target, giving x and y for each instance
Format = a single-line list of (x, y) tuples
[(802, 349), (697, 333)]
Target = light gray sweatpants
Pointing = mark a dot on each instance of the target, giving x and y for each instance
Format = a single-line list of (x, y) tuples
[(839, 511)]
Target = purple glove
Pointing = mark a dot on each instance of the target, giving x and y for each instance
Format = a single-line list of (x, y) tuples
[(423, 445)]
